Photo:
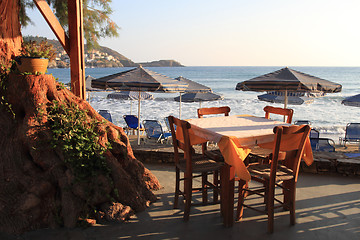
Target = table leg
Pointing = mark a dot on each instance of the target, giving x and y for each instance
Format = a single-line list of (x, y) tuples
[(227, 195)]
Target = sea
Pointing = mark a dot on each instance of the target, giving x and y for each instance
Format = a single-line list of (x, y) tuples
[(326, 114)]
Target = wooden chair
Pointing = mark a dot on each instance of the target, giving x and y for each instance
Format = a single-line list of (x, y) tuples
[(286, 112), (213, 110), (214, 154), (276, 173), (190, 164)]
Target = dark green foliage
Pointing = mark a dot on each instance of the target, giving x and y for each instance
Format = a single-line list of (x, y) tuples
[(97, 23), (24, 18), (4, 76), (74, 133)]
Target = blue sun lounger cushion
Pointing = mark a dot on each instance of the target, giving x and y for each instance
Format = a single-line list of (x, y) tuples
[(132, 124)]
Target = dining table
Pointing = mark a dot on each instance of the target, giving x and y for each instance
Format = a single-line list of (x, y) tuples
[(235, 136)]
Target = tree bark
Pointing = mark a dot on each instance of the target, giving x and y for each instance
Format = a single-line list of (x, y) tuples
[(10, 35), (37, 187)]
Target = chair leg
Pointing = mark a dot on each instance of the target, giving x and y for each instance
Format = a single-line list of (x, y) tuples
[(203, 187), (222, 191), (216, 184), (266, 194), (188, 195), (292, 203), (177, 187), (270, 208), (243, 185), (287, 194)]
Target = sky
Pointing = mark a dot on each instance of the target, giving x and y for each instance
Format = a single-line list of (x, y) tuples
[(233, 32)]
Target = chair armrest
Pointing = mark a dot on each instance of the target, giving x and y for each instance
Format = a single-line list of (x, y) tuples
[(332, 142)]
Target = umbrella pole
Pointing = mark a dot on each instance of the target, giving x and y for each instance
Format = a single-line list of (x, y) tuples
[(130, 106), (180, 107), (138, 130), (285, 101)]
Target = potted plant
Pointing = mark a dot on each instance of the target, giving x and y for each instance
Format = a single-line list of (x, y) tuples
[(35, 56)]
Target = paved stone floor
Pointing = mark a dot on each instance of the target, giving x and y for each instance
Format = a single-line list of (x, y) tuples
[(328, 207)]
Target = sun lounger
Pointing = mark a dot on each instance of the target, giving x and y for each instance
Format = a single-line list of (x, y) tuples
[(352, 133), (352, 155), (106, 114), (322, 144), (166, 120), (319, 144), (154, 130), (132, 124), (301, 122), (314, 133)]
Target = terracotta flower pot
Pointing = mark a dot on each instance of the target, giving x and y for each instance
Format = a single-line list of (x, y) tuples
[(32, 65)]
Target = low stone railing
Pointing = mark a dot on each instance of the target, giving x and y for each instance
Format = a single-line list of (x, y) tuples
[(324, 162)]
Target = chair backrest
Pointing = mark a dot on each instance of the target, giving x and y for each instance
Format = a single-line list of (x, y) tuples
[(153, 128), (280, 111), (132, 121), (213, 110), (314, 133), (302, 122), (314, 136), (106, 114), (352, 132), (181, 140), (291, 140)]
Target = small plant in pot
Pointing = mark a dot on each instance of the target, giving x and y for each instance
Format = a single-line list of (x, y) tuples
[(34, 57)]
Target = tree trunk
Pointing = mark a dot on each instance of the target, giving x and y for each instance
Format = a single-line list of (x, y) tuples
[(10, 35), (37, 187)]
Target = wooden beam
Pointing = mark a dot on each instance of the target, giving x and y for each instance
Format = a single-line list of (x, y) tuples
[(53, 22), (76, 53)]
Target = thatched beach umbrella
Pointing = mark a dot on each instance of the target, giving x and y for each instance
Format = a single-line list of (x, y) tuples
[(353, 101), (89, 88), (139, 79), (199, 97), (192, 88), (293, 98), (286, 80)]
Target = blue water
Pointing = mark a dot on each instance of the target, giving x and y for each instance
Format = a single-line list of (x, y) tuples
[(327, 114)]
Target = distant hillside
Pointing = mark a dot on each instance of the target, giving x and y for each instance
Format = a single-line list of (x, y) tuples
[(102, 57), (124, 60), (162, 63)]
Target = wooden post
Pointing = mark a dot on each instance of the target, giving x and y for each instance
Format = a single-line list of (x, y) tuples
[(53, 22), (73, 45), (76, 37)]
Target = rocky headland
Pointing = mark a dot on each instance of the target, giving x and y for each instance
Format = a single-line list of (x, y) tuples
[(101, 57)]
